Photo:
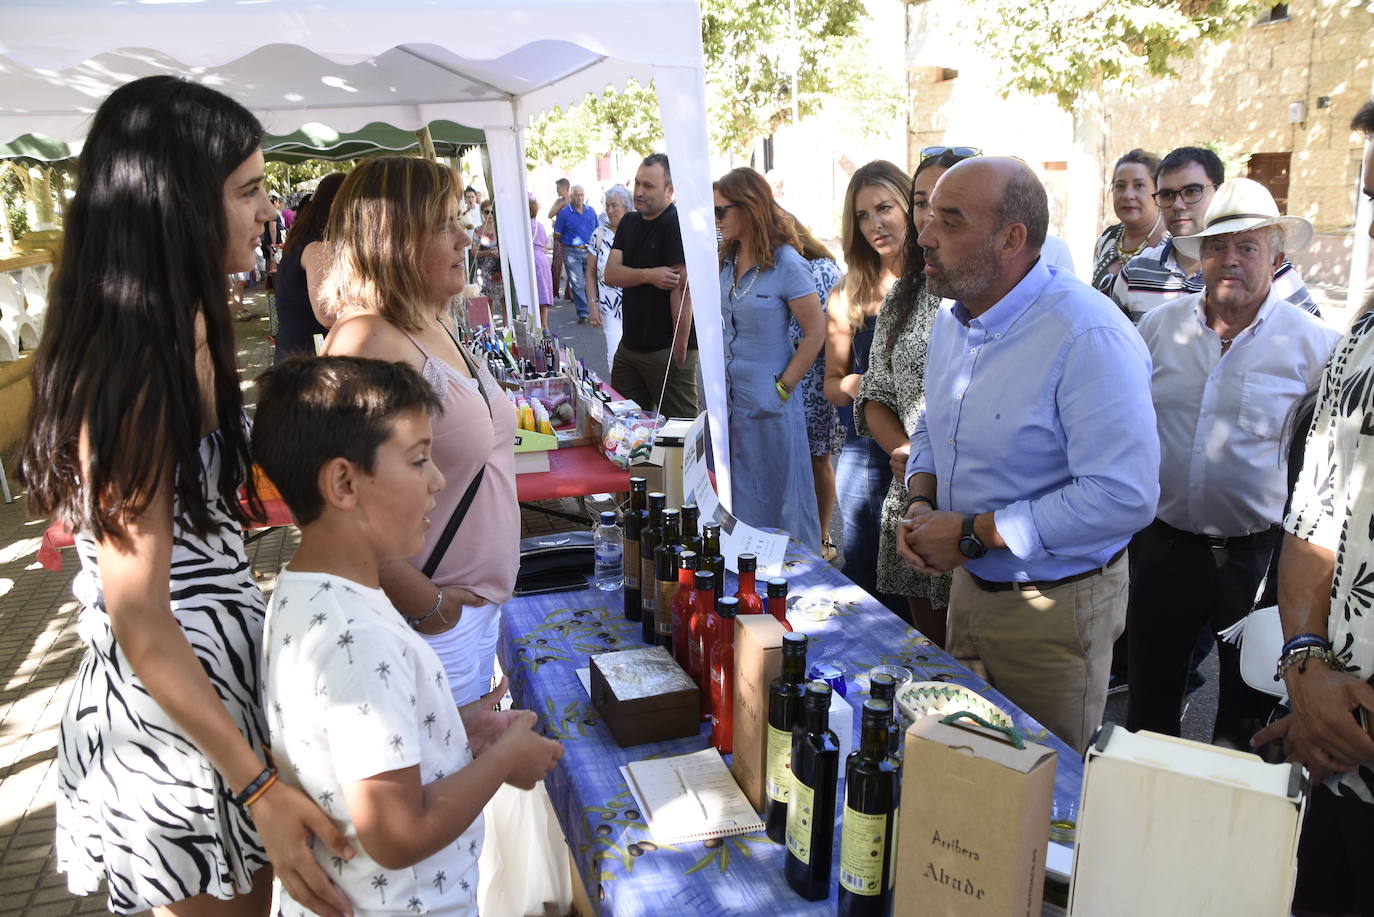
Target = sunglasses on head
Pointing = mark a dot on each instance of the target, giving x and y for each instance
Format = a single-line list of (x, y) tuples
[(964, 151)]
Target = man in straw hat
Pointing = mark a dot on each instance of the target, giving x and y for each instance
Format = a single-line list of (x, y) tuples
[(1229, 364), (1186, 180), (1326, 603)]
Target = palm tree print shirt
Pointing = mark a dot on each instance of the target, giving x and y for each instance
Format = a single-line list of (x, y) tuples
[(351, 692)]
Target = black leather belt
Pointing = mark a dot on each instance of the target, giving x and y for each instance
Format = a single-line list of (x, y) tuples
[(1221, 541), (1042, 585)]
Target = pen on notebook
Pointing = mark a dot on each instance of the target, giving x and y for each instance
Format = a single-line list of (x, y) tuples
[(690, 792)]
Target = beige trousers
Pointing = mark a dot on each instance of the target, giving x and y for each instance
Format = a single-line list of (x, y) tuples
[(1049, 652)]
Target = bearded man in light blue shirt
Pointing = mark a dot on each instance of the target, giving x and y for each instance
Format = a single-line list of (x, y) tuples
[(1036, 457)]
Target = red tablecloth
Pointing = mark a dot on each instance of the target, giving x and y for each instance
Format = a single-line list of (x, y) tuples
[(573, 472)]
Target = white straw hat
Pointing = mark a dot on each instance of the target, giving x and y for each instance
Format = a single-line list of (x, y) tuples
[(1240, 205)]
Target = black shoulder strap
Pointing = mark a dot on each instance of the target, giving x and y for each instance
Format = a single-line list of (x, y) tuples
[(459, 511)]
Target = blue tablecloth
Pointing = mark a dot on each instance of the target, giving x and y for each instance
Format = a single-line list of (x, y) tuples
[(546, 638)]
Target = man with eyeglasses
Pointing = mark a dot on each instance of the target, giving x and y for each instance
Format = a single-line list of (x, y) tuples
[(1186, 181)]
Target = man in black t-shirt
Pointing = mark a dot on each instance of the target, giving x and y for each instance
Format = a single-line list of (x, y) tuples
[(647, 262)]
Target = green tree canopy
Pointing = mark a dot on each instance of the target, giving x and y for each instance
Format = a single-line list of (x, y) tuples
[(1064, 49), (752, 48)]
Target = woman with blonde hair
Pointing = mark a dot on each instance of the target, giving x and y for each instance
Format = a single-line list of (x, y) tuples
[(873, 239), (396, 250), (763, 282), (892, 395)]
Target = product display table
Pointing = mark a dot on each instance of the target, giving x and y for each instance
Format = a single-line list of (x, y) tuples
[(546, 638)]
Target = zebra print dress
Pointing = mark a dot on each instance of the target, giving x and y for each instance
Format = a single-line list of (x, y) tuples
[(138, 805)]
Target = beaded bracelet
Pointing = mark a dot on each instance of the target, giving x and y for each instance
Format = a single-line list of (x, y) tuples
[(1305, 654), (438, 601), (919, 498)]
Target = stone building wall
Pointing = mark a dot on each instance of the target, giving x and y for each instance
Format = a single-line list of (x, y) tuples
[(1236, 94)]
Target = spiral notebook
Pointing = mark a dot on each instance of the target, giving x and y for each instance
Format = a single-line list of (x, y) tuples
[(690, 798)]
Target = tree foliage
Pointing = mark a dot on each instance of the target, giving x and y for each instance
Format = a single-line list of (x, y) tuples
[(1064, 49), (751, 49)]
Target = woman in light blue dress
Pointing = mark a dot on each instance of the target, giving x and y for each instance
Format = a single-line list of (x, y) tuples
[(764, 282)]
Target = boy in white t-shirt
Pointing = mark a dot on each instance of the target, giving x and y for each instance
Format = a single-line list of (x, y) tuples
[(358, 704)]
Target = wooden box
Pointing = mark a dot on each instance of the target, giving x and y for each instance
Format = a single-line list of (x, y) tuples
[(758, 660), (975, 820), (1169, 826), (643, 696)]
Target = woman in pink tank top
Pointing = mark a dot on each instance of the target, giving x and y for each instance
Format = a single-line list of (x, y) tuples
[(396, 261)]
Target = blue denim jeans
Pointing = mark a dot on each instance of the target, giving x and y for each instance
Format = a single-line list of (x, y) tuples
[(575, 270)]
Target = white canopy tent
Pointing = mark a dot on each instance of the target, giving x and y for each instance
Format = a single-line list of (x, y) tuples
[(347, 63)]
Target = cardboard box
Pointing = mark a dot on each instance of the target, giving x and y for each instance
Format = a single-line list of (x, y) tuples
[(758, 660), (644, 696), (1169, 826), (975, 819)]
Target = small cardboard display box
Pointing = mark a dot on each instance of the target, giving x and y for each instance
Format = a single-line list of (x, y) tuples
[(758, 661), (1169, 826), (644, 696), (975, 820)]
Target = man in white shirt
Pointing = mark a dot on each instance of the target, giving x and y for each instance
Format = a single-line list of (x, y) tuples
[(1229, 364), (1185, 181)]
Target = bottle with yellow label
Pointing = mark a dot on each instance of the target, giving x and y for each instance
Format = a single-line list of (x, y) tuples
[(666, 576), (868, 831), (811, 805), (784, 717)]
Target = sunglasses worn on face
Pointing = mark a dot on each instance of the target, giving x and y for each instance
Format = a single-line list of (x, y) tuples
[(965, 151), (1191, 194), (721, 208)]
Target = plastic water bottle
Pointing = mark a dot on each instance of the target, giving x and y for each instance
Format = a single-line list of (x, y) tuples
[(609, 545)]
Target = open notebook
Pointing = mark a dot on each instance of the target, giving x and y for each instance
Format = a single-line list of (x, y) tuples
[(690, 798)]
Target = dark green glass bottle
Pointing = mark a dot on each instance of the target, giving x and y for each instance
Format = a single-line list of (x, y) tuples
[(784, 716), (659, 630), (634, 518), (691, 536), (711, 558), (648, 541), (884, 688), (869, 824), (811, 806)]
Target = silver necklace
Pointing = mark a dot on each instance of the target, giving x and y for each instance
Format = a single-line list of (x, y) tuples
[(737, 294)]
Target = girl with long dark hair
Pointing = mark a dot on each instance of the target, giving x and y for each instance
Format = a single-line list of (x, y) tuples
[(300, 314), (137, 441)]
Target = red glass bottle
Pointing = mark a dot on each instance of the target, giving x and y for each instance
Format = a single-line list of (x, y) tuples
[(710, 635), (705, 583), (777, 600), (749, 601), (684, 603), (723, 677)]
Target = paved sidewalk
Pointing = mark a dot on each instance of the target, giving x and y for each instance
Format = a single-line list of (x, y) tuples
[(39, 654)]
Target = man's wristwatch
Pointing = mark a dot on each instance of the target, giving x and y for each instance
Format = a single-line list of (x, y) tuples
[(970, 545)]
